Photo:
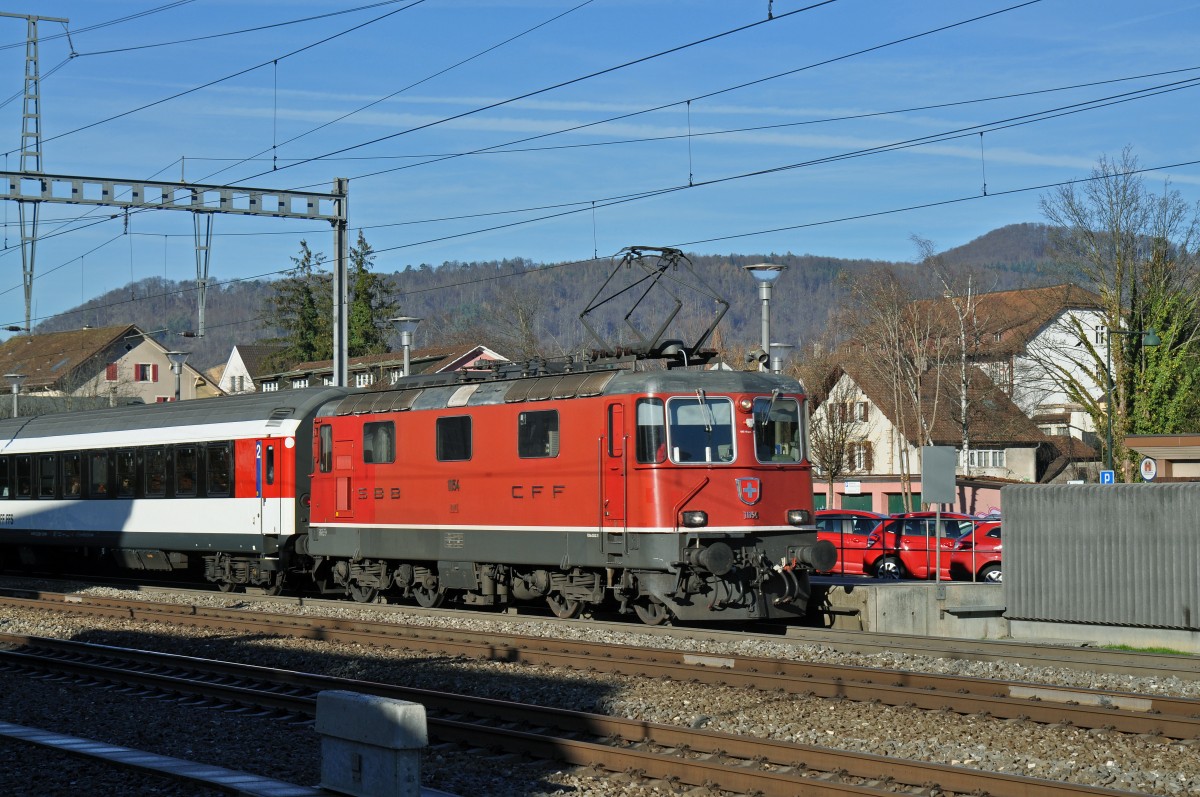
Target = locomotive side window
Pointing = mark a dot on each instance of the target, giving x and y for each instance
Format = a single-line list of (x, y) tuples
[(379, 442), (72, 477), (25, 476), (5, 488), (185, 470), (651, 431), (454, 438), (325, 448), (126, 473), (700, 429), (220, 468), (777, 429), (156, 472), (537, 434), (98, 474), (47, 467)]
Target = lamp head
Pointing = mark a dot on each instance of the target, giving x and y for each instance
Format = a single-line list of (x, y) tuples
[(1150, 338), (765, 272)]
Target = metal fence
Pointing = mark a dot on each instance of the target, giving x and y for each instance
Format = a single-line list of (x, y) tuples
[(1121, 554)]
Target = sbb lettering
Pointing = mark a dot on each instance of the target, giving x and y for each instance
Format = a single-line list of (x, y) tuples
[(537, 490)]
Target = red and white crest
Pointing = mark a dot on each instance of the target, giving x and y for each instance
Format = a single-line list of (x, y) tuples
[(749, 489)]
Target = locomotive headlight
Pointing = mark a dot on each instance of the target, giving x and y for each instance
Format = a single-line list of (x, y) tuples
[(695, 518), (799, 517)]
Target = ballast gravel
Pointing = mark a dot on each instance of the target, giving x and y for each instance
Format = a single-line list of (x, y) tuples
[(1139, 764)]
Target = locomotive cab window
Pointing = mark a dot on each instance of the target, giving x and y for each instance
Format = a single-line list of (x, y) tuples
[(777, 429), (651, 431), (156, 472), (537, 434), (454, 438), (220, 469), (325, 448), (379, 442), (700, 430)]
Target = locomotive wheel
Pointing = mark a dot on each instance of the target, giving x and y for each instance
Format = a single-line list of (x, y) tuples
[(228, 586), (361, 592), (563, 608), (274, 586), (428, 598), (651, 612)]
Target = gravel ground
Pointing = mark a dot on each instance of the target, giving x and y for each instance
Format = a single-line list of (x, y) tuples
[(1134, 763)]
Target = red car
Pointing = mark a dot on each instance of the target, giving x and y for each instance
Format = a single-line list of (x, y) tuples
[(848, 530), (976, 556), (909, 545)]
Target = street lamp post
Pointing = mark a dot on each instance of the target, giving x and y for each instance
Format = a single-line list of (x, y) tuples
[(15, 380), (779, 353), (177, 358), (407, 325), (766, 274), (1149, 339)]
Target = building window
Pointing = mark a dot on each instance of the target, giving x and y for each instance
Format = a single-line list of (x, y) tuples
[(395, 376), (987, 458), (271, 386), (327, 380), (300, 382), (997, 336), (860, 457), (364, 379), (110, 372), (239, 383), (145, 372), (861, 411)]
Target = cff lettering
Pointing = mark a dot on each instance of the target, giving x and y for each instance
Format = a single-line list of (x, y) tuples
[(522, 491)]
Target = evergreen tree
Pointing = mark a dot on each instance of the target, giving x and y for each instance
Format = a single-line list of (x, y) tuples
[(302, 306), (371, 305)]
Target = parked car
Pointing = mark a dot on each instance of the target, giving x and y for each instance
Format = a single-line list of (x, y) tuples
[(848, 530), (976, 556), (909, 545)]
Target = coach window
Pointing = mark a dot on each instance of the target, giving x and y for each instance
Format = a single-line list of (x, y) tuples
[(325, 448), (24, 476), (537, 434), (454, 438), (47, 471), (98, 484), (220, 469), (72, 477), (126, 474), (156, 472), (5, 488), (379, 442), (185, 470), (269, 465), (651, 431)]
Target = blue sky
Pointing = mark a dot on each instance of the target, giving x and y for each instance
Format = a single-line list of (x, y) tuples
[(717, 131)]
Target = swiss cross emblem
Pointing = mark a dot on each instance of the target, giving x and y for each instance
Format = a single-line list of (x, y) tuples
[(749, 490)]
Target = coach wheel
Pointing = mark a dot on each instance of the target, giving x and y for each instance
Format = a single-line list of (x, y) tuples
[(274, 586), (428, 597), (992, 574), (362, 593), (889, 568), (651, 611), (563, 608), (228, 586)]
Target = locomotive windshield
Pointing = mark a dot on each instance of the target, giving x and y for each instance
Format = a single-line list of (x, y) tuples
[(777, 429), (700, 429)]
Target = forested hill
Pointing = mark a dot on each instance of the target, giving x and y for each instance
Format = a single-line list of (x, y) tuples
[(523, 308)]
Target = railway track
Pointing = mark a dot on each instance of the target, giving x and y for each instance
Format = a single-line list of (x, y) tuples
[(1170, 717), (619, 747)]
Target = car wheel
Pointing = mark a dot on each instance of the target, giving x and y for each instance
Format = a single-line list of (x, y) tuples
[(889, 568), (992, 574)]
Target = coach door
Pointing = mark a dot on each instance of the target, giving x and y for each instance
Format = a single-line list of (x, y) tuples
[(613, 468), (268, 483)]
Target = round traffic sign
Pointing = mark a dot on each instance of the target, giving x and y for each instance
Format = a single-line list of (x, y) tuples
[(1149, 469)]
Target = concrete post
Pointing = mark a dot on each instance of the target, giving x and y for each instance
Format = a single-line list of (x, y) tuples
[(370, 746)]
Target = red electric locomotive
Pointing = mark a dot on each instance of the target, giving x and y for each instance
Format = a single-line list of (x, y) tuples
[(682, 494)]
